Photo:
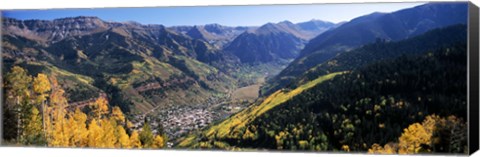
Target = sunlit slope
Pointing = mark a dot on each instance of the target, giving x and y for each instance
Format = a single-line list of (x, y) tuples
[(232, 126), (78, 87)]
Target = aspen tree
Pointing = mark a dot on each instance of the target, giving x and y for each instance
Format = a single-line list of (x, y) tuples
[(108, 128), (135, 140), (158, 142), (95, 134), (123, 139), (80, 135), (100, 107), (60, 134), (41, 85)]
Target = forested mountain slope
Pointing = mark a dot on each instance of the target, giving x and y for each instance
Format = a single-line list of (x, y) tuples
[(366, 29), (380, 50)]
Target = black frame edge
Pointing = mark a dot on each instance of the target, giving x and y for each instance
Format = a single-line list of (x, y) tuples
[(473, 112), (1, 81)]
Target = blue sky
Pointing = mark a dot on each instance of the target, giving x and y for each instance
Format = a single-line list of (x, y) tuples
[(225, 15)]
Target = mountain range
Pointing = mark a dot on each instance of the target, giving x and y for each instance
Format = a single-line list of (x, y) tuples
[(365, 29), (136, 62), (275, 41)]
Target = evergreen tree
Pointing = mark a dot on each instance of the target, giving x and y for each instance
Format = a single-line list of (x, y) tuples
[(17, 90), (146, 135)]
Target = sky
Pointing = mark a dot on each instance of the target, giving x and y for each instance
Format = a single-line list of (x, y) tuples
[(224, 15)]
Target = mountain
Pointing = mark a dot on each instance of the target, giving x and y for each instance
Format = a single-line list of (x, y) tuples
[(368, 95), (215, 34), (393, 26), (137, 65), (315, 27), (275, 41), (266, 44), (56, 30), (380, 50)]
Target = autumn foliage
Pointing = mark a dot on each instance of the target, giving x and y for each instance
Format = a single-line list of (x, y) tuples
[(39, 114), (434, 134)]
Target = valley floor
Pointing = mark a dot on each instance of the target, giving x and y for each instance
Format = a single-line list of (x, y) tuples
[(178, 121)]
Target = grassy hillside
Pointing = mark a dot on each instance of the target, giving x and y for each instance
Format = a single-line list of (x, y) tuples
[(77, 87)]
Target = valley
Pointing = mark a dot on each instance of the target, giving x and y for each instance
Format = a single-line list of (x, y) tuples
[(180, 120), (370, 84)]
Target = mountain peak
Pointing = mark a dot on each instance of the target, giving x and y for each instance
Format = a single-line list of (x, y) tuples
[(196, 33), (79, 18), (214, 28), (267, 28), (315, 25), (285, 22), (213, 25)]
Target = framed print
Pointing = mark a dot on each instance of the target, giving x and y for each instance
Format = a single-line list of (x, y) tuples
[(378, 78)]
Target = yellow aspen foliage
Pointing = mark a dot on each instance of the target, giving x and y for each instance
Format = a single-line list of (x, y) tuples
[(60, 134), (389, 148), (158, 142), (80, 133), (248, 135), (129, 124), (412, 138), (100, 107), (68, 132), (48, 124), (135, 140), (279, 139), (303, 144), (417, 134), (376, 149), (33, 130), (118, 114), (57, 98), (95, 134), (346, 148), (17, 83), (123, 139), (41, 85), (60, 137), (415, 138), (109, 139), (64, 128), (71, 124)]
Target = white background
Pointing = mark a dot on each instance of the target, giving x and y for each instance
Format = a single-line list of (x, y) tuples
[(51, 152)]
